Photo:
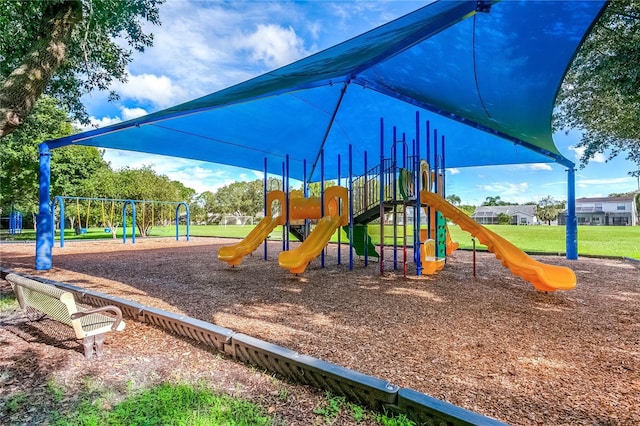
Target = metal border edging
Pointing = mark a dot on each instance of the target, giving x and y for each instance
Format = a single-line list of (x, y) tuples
[(432, 411), (358, 387), (361, 388)]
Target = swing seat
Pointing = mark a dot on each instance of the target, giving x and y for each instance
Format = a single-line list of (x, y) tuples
[(83, 230), (107, 230)]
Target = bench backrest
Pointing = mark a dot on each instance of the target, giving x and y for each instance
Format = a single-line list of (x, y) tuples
[(50, 300)]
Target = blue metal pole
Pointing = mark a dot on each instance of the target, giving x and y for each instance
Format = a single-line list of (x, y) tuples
[(394, 163), (350, 207), (124, 221), (187, 218), (428, 177), (288, 209), (44, 230), (60, 201), (572, 220), (366, 207), (444, 172), (416, 227), (264, 199), (305, 193), (322, 198), (339, 212), (285, 228), (381, 200), (436, 189)]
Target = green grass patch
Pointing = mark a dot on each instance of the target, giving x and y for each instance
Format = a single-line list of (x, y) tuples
[(8, 302), (166, 404), (618, 241)]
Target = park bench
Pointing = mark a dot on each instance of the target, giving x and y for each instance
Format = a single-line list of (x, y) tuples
[(89, 324)]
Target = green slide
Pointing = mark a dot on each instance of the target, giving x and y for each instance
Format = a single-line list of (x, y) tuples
[(362, 241)]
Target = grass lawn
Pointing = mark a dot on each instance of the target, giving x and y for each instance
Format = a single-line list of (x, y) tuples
[(621, 241)]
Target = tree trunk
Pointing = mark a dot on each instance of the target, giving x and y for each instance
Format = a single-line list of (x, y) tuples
[(25, 84)]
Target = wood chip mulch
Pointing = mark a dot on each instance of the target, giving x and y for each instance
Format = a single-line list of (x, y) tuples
[(490, 343)]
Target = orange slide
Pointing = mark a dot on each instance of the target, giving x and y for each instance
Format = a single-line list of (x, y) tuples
[(543, 277)]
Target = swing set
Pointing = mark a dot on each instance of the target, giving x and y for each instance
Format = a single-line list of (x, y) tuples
[(109, 222)]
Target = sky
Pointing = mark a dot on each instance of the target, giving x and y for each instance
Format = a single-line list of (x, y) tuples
[(205, 46)]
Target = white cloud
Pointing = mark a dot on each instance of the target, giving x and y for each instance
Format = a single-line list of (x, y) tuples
[(274, 45), (587, 183), (539, 166), (129, 113), (199, 175), (125, 114), (100, 122), (160, 91), (454, 171), (579, 152), (503, 189)]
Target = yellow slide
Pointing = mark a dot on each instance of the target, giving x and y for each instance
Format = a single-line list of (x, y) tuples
[(296, 260), (233, 254), (543, 277)]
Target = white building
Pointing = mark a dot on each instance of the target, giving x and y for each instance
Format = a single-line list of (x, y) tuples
[(620, 211), (520, 214)]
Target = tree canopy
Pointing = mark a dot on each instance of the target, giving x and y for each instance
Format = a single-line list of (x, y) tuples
[(601, 91), (548, 209), (495, 201), (66, 48)]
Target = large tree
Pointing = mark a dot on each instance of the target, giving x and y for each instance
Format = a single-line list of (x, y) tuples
[(240, 198), (548, 208), (74, 168), (66, 48), (146, 184), (601, 92)]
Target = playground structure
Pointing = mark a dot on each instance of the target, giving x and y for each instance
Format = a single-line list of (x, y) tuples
[(108, 220), (401, 186)]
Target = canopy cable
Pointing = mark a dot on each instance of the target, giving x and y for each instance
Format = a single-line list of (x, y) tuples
[(475, 67)]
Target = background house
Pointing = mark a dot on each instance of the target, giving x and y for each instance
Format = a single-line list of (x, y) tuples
[(619, 211), (520, 215)]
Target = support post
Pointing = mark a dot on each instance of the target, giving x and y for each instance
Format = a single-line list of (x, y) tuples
[(418, 204), (124, 221), (288, 200), (60, 200), (572, 220), (322, 212), (285, 228), (187, 219), (340, 209), (264, 201), (366, 206), (44, 227), (381, 200), (350, 207)]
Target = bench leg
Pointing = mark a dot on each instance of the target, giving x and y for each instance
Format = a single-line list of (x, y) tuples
[(88, 343), (99, 341)]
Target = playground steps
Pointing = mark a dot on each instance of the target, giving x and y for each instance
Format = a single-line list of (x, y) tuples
[(299, 231), (371, 214)]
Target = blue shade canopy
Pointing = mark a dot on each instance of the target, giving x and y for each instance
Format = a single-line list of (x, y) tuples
[(484, 74)]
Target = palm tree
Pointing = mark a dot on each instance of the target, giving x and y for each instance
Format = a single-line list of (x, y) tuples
[(454, 199)]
